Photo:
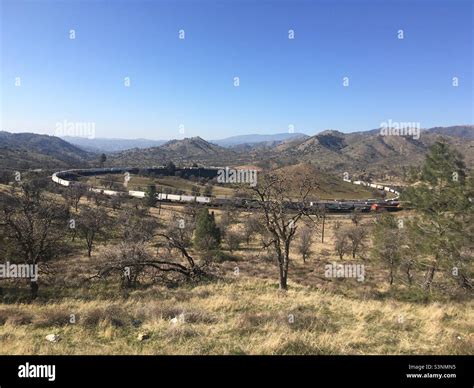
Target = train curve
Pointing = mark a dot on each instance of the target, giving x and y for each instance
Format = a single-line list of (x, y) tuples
[(63, 178)]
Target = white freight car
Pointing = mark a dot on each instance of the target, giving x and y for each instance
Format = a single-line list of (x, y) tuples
[(136, 194)]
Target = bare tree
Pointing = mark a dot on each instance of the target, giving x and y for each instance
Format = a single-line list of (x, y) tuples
[(282, 209), (137, 224), (251, 226), (74, 193), (91, 222), (341, 242), (356, 216), (304, 242), (234, 239), (36, 224), (131, 258), (356, 236)]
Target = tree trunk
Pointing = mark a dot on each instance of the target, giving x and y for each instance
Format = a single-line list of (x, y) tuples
[(409, 276), (34, 289), (429, 278), (391, 272), (322, 234), (283, 285), (283, 282)]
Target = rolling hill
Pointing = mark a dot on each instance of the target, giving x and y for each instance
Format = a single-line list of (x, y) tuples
[(111, 145), (258, 139), (33, 151), (185, 151)]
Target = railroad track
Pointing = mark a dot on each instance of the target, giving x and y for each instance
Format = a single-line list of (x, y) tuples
[(66, 178)]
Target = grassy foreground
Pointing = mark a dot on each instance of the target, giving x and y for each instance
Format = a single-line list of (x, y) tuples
[(238, 317)]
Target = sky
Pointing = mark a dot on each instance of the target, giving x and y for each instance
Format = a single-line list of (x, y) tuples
[(236, 71)]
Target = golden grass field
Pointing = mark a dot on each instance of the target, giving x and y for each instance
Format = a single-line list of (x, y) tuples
[(236, 314), (244, 316)]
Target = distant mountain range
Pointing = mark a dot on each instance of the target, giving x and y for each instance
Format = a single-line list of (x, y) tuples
[(461, 131), (256, 139), (115, 145), (365, 152), (188, 150), (111, 145)]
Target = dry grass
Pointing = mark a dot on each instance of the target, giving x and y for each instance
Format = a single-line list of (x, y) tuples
[(247, 316), (237, 315)]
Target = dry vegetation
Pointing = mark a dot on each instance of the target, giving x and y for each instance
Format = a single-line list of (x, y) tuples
[(243, 316), (240, 313)]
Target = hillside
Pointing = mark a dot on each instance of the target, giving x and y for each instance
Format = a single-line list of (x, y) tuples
[(369, 151), (111, 145), (327, 186), (461, 131), (186, 151), (29, 150), (258, 139)]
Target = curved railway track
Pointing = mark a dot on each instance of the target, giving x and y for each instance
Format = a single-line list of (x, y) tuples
[(66, 178)]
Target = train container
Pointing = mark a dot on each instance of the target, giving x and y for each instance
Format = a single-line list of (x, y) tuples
[(187, 198), (136, 194), (173, 197)]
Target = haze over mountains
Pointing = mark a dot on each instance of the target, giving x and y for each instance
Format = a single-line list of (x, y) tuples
[(334, 151), (114, 145), (111, 145)]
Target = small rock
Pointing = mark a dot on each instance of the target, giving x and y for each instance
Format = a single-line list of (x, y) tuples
[(143, 336), (178, 319), (52, 338)]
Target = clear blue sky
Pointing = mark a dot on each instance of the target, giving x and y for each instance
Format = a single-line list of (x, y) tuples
[(191, 82)]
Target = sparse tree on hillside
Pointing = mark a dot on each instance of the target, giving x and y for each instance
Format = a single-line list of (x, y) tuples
[(341, 242), (171, 168), (150, 196), (387, 243), (444, 223), (35, 224), (252, 226), (273, 197), (132, 257), (207, 235), (234, 239), (356, 217), (357, 236), (91, 223), (137, 225), (102, 160), (304, 242), (74, 193)]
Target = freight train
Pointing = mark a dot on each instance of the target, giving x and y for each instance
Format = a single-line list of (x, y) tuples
[(66, 178)]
